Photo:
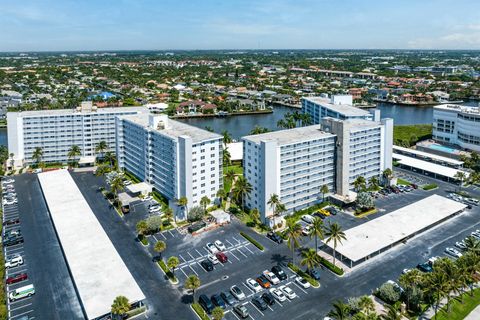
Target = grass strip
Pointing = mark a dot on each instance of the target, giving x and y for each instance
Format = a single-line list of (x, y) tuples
[(303, 274), (335, 269), (253, 241), (199, 311), (459, 309)]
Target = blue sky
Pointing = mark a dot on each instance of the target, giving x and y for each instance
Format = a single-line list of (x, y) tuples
[(47, 25)]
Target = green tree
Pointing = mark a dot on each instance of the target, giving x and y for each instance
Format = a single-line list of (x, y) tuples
[(310, 259), (142, 227), (192, 283), (159, 247), (317, 231), (364, 201), (273, 202), (73, 153), (393, 312), (359, 183), (230, 174), (335, 234), (204, 202), (172, 263), (460, 176), (387, 175), (258, 130), (217, 313), (227, 157), (472, 244), (101, 147), (168, 214), (255, 216), (221, 194), (340, 311), (241, 189), (110, 158), (373, 183), (324, 190), (117, 185), (227, 138), (37, 155), (293, 233), (120, 306), (436, 287), (182, 202)]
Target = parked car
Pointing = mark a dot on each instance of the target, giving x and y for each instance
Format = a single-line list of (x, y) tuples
[(288, 292), (154, 209), (460, 245), (242, 311), (14, 261), (414, 186), (147, 198), (306, 230), (252, 284), (332, 210), (237, 293), (307, 218), (18, 277), (425, 267), (302, 282), (259, 303), (8, 181), (268, 298), (11, 241), (228, 298), (263, 282), (207, 265), (222, 257), (213, 259), (278, 271), (314, 273), (11, 222), (218, 301), (9, 202), (274, 237), (271, 277), (219, 245), (278, 294), (454, 252), (211, 248), (12, 233), (206, 303)]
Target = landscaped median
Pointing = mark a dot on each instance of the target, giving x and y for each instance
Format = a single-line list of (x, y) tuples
[(429, 187), (366, 213), (303, 274), (459, 309), (167, 272), (337, 270), (253, 241), (199, 311)]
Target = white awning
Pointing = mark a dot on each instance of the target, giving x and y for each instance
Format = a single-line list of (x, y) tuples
[(427, 166)]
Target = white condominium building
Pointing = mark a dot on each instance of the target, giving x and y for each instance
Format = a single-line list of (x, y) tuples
[(338, 106), (457, 125), (177, 159), (56, 131), (293, 164)]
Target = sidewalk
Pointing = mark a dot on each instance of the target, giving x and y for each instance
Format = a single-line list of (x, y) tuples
[(474, 315)]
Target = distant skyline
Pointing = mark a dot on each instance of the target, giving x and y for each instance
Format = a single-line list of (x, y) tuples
[(89, 25)]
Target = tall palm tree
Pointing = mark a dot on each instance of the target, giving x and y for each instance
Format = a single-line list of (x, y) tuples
[(227, 138), (73, 152), (317, 231), (168, 214), (120, 306), (411, 279), (293, 233), (335, 234), (373, 183), (310, 259), (359, 183), (341, 311), (393, 312), (101, 147), (226, 157), (437, 288), (255, 215), (221, 194), (117, 185), (460, 176), (110, 157), (324, 190), (172, 263), (182, 203), (230, 174), (241, 189), (159, 247), (37, 155), (204, 202), (192, 283), (450, 270), (387, 174), (366, 305), (273, 202)]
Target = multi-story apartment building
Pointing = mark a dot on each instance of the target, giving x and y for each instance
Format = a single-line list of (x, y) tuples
[(177, 159), (338, 107), (457, 125), (293, 164), (364, 148), (56, 131)]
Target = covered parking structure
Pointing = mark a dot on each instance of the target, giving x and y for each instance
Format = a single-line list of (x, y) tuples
[(430, 157), (98, 272), (376, 236)]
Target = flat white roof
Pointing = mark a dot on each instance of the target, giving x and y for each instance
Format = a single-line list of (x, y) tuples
[(427, 166), (345, 109), (98, 272), (289, 136), (429, 155), (140, 187), (377, 234), (236, 150)]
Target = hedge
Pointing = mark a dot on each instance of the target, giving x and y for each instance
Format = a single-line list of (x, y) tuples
[(335, 269), (253, 241), (298, 214), (430, 186), (303, 274), (199, 311), (135, 312), (167, 271)]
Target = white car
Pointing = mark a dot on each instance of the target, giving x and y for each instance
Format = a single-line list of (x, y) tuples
[(271, 277), (212, 259), (307, 218), (8, 181), (252, 284), (14, 262), (211, 248), (302, 282), (220, 246), (288, 292), (237, 293), (454, 252), (278, 294), (460, 245), (306, 230), (406, 270), (147, 198), (9, 202), (127, 183)]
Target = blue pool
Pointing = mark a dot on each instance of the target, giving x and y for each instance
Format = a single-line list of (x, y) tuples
[(442, 148)]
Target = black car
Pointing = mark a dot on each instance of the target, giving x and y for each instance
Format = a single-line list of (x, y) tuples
[(333, 210), (425, 267), (275, 237), (268, 298), (196, 226), (207, 265), (278, 271), (314, 273), (259, 303), (228, 298), (218, 301), (11, 241), (206, 303)]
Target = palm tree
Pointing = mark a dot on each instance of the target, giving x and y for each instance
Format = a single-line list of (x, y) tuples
[(293, 233), (387, 174), (230, 174), (172, 263), (74, 152), (460, 176), (472, 244), (116, 185), (341, 311), (101, 147), (324, 190), (159, 247), (258, 130), (310, 259), (359, 183), (373, 183), (192, 283), (120, 306), (255, 215), (450, 270), (437, 288), (335, 234), (226, 157), (37, 155), (221, 194), (102, 170), (110, 158), (366, 305), (241, 189), (409, 280), (317, 231), (168, 213), (204, 202), (182, 203), (393, 312), (142, 227), (279, 210), (227, 138), (273, 202), (217, 313)]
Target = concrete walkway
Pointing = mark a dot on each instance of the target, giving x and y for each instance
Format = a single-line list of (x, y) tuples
[(474, 315)]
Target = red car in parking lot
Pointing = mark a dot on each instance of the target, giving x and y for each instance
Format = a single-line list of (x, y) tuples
[(222, 257), (16, 278)]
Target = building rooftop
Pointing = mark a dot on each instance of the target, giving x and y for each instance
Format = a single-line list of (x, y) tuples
[(426, 155), (458, 108), (427, 166), (78, 111), (290, 135), (346, 109), (98, 271), (174, 128)]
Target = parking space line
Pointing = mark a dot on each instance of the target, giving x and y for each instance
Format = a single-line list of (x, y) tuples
[(233, 312), (201, 255), (25, 305), (237, 240), (257, 309), (300, 288), (248, 288), (165, 238), (181, 269), (22, 300), (231, 252), (193, 270), (246, 247), (193, 258), (182, 258), (202, 267), (170, 232), (238, 249), (231, 245), (21, 314)]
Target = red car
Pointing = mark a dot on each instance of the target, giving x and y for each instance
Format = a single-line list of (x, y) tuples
[(17, 278), (222, 257)]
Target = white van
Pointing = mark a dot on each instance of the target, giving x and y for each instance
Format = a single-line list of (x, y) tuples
[(22, 292), (14, 262)]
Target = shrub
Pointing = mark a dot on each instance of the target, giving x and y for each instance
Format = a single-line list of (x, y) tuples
[(135, 312), (354, 304), (303, 274), (195, 214), (430, 186), (200, 312), (253, 241), (364, 201), (167, 271), (388, 293), (331, 266), (154, 223)]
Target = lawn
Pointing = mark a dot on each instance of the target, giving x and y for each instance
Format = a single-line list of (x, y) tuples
[(407, 136), (402, 181), (237, 168), (459, 310)]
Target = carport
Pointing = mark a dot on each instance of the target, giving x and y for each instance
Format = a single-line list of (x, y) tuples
[(220, 216), (139, 188)]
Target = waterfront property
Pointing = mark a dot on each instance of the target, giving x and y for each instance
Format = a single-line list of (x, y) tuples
[(178, 160), (56, 131), (294, 164), (338, 107), (457, 125)]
